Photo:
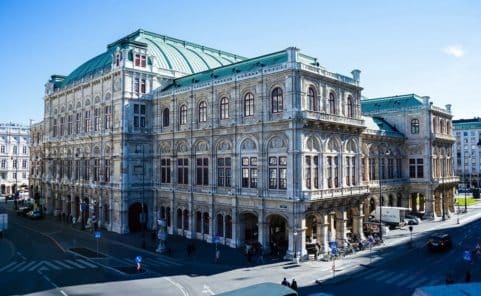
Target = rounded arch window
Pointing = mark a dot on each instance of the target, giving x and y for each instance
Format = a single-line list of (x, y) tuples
[(224, 108), (311, 99), (277, 100), (249, 104), (203, 111)]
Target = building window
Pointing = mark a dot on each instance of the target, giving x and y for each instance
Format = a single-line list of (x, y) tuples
[(62, 126), (2, 149), (77, 170), (107, 117), (350, 107), (139, 115), (277, 172), (416, 168), (203, 111), (24, 149), (87, 121), (24, 164), (78, 119), (142, 86), (118, 58), (24, 175), (183, 171), (223, 172), (96, 170), (96, 119), (69, 125), (390, 168), (4, 163), (107, 170), (165, 170), (398, 168), (332, 172), (202, 171), (140, 60), (165, 117), (308, 173), (14, 149), (311, 99), (312, 172), (14, 175), (249, 104), (249, 172), (183, 115), (224, 108), (277, 100), (54, 127), (350, 170), (332, 103), (415, 126), (69, 169)]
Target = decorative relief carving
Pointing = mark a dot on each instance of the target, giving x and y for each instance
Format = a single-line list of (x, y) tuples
[(202, 146), (248, 144)]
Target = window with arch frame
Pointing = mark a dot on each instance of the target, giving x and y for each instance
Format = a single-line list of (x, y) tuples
[(249, 104), (183, 115), (350, 107), (332, 103), (224, 108), (203, 111), (277, 100), (415, 126), (312, 99)]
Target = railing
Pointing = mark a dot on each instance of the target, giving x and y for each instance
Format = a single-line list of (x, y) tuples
[(332, 118), (446, 180), (336, 192), (326, 73), (444, 136)]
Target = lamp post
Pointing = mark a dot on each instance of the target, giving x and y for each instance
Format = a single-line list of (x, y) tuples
[(444, 194), (387, 152), (142, 215)]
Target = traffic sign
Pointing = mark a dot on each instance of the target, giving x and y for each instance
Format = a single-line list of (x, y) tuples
[(333, 247), (467, 255), (138, 259), (97, 234)]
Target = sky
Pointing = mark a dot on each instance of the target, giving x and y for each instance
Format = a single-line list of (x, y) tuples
[(430, 48)]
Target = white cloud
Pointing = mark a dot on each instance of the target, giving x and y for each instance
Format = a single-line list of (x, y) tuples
[(455, 51)]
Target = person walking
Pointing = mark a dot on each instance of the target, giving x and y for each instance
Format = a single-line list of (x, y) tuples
[(294, 285), (467, 277), (285, 283), (217, 255)]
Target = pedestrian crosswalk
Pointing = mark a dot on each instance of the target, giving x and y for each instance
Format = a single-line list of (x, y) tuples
[(407, 279), (150, 262), (44, 265)]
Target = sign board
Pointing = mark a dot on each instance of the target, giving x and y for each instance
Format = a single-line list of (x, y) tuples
[(138, 259), (216, 239), (370, 239), (333, 247), (467, 255), (83, 206), (97, 234)]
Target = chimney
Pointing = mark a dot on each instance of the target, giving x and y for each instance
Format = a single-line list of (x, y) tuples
[(448, 108), (356, 74)]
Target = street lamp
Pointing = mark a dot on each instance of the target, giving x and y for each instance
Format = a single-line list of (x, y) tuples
[(142, 217), (386, 153)]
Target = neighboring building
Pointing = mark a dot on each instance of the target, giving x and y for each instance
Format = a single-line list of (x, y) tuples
[(468, 152), (14, 158), (272, 149)]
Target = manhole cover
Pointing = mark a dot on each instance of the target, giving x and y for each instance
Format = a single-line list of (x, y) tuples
[(87, 253)]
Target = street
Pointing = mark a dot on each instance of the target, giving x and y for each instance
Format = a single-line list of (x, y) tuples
[(47, 257)]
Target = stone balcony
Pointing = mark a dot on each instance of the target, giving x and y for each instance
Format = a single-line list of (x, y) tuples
[(336, 192), (331, 118), (444, 137)]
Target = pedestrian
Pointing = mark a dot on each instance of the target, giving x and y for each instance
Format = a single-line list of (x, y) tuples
[(294, 285), (217, 255), (285, 282)]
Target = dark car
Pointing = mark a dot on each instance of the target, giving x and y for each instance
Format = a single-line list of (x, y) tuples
[(22, 211), (439, 242), (35, 214)]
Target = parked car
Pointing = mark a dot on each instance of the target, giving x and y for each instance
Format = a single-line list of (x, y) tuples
[(411, 220), (22, 211), (439, 242), (35, 214)]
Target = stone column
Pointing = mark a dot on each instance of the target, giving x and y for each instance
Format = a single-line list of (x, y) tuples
[(341, 226), (235, 234), (429, 205), (324, 232), (262, 237), (357, 223), (413, 198)]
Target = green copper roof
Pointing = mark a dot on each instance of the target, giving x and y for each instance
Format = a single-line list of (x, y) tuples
[(226, 71), (169, 53), (378, 105), (382, 127), (461, 124)]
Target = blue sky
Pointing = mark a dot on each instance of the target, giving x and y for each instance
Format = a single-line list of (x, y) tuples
[(425, 47)]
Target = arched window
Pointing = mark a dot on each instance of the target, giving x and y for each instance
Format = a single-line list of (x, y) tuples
[(165, 117), (350, 107), (435, 125), (332, 103), (249, 104), (311, 99), (448, 127), (183, 115), (224, 108), (441, 126), (415, 126), (277, 100), (203, 111)]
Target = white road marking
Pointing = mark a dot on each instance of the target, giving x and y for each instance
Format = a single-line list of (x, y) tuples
[(395, 278), (7, 266), (63, 264), (369, 276), (16, 266), (52, 265), (75, 264), (179, 286), (85, 262), (207, 290), (27, 266), (63, 293), (406, 280), (418, 282), (383, 276)]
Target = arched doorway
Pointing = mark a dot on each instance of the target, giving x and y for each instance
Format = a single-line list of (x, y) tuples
[(136, 219), (372, 206), (278, 235), (311, 229), (249, 232)]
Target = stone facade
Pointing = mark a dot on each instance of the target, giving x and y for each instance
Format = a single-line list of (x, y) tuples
[(14, 158), (274, 149)]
